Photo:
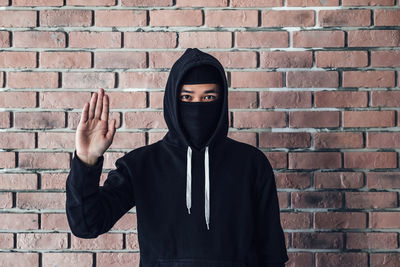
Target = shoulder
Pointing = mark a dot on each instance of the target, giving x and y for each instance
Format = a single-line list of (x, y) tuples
[(141, 152)]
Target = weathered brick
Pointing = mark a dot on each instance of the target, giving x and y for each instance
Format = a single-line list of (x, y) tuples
[(313, 119), (144, 120), (18, 181), (318, 39), (143, 79), (258, 79), (373, 38), (340, 99), (382, 180), (370, 160), (21, 60), (261, 39), (295, 220), (17, 139), (388, 259), (39, 39), (371, 240), (368, 2), (286, 59), (384, 219), (284, 140), (385, 58), (4, 39), (256, 3), (308, 3), (340, 220), (312, 79), (120, 18), (88, 80), (42, 241), (292, 99), (231, 18), (17, 18), (338, 140), (201, 3), (205, 39), (150, 40), (65, 17), (314, 160), (41, 200), (317, 240), (32, 79), (336, 59), (128, 60), (368, 118), (387, 17), (383, 139), (259, 119), (39, 120), (144, 3), (287, 18), (341, 259), (19, 258), (368, 78), (338, 180), (34, 3), (65, 60), (95, 39), (74, 259), (185, 17), (344, 17), (371, 200), (105, 241), (296, 180)]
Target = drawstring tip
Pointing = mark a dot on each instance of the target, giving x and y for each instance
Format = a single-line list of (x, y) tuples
[(208, 226), (188, 210)]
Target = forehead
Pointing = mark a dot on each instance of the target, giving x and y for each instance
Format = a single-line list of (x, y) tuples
[(200, 88)]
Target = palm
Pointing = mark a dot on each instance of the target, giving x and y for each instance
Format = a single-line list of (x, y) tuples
[(94, 132)]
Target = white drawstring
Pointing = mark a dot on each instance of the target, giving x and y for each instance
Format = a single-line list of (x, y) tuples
[(207, 184)]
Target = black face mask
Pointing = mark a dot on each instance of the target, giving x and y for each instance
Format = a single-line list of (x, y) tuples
[(199, 120)]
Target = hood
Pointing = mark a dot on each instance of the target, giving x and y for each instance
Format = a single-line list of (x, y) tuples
[(175, 135)]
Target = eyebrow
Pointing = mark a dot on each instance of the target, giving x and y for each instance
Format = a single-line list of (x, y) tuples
[(207, 91)]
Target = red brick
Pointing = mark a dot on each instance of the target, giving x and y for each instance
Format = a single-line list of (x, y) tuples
[(368, 78), (17, 139), (5, 119), (120, 18), (186, 17), (150, 40), (371, 200), (286, 59), (341, 259), (292, 99), (56, 140), (313, 119), (133, 99), (205, 39), (201, 3), (4, 39), (385, 58), (317, 240), (384, 259), (32, 79), (308, 3), (88, 80), (384, 219), (340, 99), (39, 120), (340, 220), (382, 180), (312, 79), (2, 83), (19, 258), (262, 39), (38, 200), (95, 39), (4, 3), (144, 120), (73, 259), (338, 140), (30, 160), (278, 160), (242, 99), (163, 59), (17, 18), (34, 3), (236, 59), (387, 17), (371, 240), (39, 39), (231, 18), (287, 18), (18, 181), (261, 119), (143, 3), (256, 3), (42, 241), (329, 59), (295, 220), (284, 140), (373, 38), (63, 99), (92, 2), (245, 137), (338, 180), (65, 60), (143, 79), (318, 39), (369, 118), (314, 160), (383, 139), (344, 17), (65, 17), (105, 241), (370, 160), (128, 60), (19, 221), (368, 2), (10, 59), (246, 79), (120, 259), (295, 180), (6, 199)]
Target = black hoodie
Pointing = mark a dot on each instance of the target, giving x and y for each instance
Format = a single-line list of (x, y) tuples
[(163, 178)]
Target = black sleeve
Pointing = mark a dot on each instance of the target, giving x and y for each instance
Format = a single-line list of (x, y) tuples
[(92, 209), (270, 239)]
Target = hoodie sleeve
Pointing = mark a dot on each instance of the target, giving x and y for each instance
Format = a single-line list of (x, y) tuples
[(270, 239), (92, 209)]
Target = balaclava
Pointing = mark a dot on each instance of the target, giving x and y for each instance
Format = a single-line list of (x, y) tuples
[(199, 119)]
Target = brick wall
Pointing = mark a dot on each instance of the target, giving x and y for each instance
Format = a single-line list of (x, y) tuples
[(314, 84)]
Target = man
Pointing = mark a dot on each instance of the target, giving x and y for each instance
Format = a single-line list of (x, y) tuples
[(201, 198)]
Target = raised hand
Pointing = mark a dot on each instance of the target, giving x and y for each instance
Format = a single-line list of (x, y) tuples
[(94, 133)]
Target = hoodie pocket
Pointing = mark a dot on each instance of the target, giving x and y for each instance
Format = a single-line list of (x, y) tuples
[(199, 263)]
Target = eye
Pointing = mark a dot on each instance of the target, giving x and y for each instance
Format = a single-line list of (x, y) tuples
[(184, 97), (212, 97)]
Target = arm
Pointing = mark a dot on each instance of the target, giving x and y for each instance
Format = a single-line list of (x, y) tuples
[(270, 239), (92, 209)]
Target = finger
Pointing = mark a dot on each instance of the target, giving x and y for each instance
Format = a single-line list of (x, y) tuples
[(93, 101), (84, 114), (111, 129), (106, 105), (99, 104)]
